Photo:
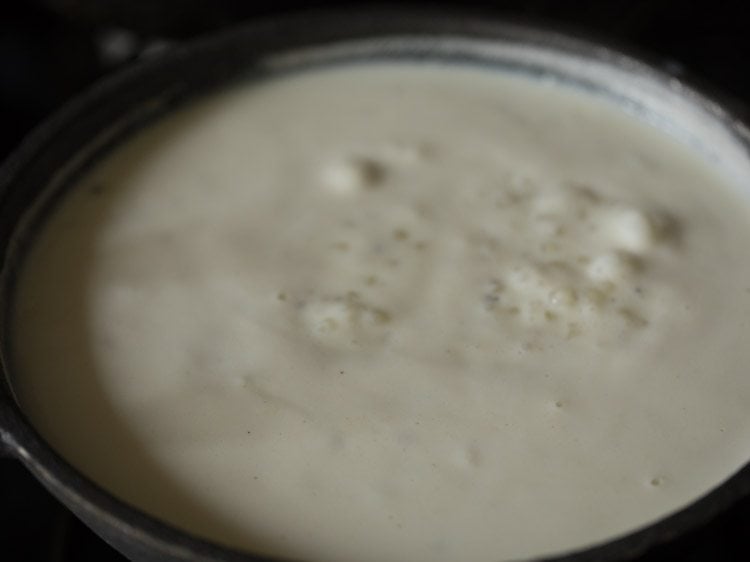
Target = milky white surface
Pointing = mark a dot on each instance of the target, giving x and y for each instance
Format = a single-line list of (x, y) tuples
[(395, 312)]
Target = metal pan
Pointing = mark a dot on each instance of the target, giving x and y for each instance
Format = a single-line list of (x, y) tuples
[(53, 156)]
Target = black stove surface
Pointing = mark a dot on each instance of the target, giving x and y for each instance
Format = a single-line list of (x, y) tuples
[(51, 49)]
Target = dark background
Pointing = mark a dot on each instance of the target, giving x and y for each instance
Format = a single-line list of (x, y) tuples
[(52, 49)]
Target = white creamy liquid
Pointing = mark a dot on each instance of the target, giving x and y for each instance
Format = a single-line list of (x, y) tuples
[(395, 312)]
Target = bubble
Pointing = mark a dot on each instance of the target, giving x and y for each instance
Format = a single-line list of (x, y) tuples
[(353, 174), (657, 481), (610, 266), (630, 229)]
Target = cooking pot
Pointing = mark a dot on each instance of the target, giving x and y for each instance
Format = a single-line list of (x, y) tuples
[(51, 158)]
